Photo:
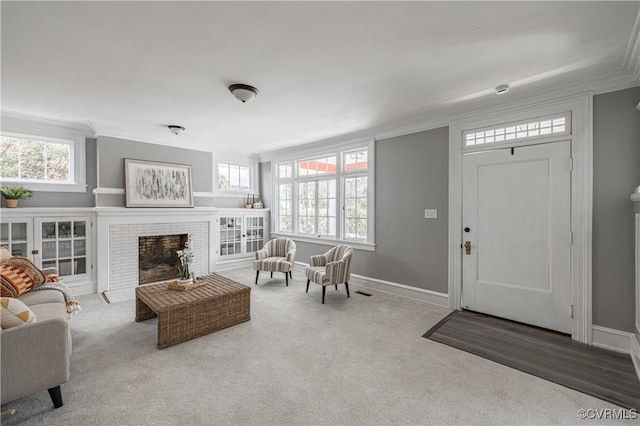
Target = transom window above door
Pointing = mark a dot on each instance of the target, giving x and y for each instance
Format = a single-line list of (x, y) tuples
[(555, 125)]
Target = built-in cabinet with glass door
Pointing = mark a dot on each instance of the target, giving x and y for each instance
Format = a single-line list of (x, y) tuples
[(59, 242), (64, 244), (240, 235), (17, 235)]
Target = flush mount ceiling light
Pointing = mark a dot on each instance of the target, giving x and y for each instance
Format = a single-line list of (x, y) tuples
[(243, 92), (502, 89), (176, 130)]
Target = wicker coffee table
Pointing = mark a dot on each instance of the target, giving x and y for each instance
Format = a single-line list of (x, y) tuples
[(185, 315)]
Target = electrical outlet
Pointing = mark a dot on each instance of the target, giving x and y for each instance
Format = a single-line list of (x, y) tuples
[(430, 213)]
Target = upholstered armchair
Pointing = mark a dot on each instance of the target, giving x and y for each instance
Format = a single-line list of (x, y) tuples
[(277, 255), (331, 268)]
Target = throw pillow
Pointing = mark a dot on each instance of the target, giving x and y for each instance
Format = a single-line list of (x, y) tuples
[(19, 275), (5, 254), (14, 313)]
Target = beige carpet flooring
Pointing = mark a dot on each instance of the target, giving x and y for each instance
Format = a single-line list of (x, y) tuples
[(351, 361)]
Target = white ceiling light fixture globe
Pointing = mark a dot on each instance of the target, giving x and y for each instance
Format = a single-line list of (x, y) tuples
[(243, 92)]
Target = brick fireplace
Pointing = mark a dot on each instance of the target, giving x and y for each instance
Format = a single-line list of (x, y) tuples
[(119, 232)]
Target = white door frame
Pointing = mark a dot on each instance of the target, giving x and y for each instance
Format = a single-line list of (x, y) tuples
[(581, 198)]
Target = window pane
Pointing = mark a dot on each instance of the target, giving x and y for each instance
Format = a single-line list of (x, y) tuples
[(315, 166), (10, 157), (356, 160), (33, 160), (244, 178), (233, 177), (285, 212), (285, 170), (223, 176), (58, 162)]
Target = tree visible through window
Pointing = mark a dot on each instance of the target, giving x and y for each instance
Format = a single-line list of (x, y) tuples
[(232, 177), (35, 160)]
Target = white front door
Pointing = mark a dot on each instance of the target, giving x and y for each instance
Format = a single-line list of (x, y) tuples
[(517, 234)]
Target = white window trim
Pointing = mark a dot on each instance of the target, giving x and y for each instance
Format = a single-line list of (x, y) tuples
[(317, 151), (253, 178), (581, 108), (54, 131)]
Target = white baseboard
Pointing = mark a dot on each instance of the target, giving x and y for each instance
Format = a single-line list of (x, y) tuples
[(233, 264), (82, 288), (433, 297), (611, 339), (635, 353)]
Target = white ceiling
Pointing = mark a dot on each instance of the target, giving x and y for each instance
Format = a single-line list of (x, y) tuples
[(324, 69)]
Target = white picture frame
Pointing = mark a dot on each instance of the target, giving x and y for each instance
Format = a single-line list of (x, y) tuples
[(157, 184)]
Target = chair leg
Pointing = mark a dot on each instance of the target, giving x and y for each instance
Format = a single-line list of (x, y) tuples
[(291, 274), (307, 286), (323, 290), (286, 278), (257, 273), (56, 397), (336, 287), (346, 285), (271, 274)]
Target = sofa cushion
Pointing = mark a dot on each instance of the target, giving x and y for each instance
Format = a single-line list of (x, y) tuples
[(14, 313), (31, 298), (5, 254), (19, 275)]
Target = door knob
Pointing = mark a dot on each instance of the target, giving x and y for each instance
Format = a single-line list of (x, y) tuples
[(467, 247)]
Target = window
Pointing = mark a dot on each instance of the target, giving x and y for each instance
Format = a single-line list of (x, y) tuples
[(43, 154), (327, 196), (24, 159), (233, 177), (547, 126)]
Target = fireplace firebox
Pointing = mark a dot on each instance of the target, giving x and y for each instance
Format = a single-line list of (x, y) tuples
[(157, 258)]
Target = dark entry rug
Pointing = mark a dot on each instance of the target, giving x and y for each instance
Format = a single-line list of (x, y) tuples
[(549, 355)]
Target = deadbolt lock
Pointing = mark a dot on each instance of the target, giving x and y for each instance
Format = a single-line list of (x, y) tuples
[(467, 247)]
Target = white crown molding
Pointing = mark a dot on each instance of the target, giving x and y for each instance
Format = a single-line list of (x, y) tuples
[(631, 62), (604, 82), (107, 130), (12, 118)]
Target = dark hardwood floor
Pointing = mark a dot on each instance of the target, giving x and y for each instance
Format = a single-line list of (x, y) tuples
[(552, 356)]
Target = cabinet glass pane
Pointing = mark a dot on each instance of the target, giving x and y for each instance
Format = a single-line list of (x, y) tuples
[(80, 266), (19, 249), (64, 267), (4, 232), (79, 229), (48, 230), (18, 232), (64, 248), (64, 229), (79, 247), (49, 264), (48, 250)]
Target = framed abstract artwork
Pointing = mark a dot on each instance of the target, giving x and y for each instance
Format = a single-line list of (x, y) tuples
[(155, 184)]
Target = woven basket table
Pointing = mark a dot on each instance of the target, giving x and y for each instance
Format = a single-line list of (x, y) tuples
[(185, 315)]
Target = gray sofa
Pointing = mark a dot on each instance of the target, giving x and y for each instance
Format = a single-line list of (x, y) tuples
[(36, 356)]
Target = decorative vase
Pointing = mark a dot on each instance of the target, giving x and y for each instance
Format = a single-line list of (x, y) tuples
[(185, 282), (12, 204)]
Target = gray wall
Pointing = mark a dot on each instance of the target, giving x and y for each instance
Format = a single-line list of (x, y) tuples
[(69, 199), (112, 152), (616, 172), (411, 175)]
